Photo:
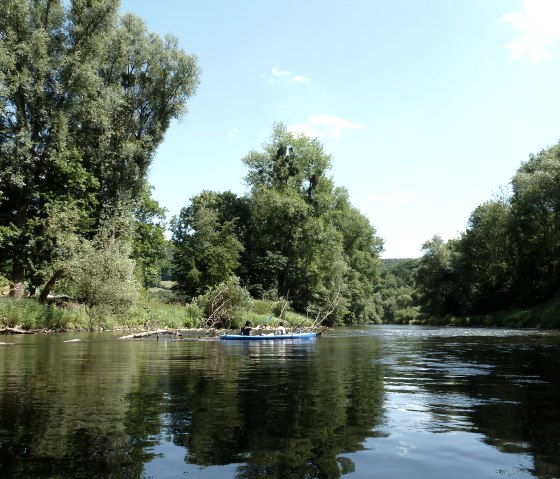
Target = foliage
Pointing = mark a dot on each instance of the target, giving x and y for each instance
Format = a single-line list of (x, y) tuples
[(152, 315), (28, 314), (101, 276), (536, 231), (396, 291), (509, 254), (224, 303), (149, 246), (294, 236), (436, 280), (85, 99), (206, 242)]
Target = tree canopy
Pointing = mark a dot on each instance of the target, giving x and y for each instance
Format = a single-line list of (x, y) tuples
[(85, 99), (509, 253), (294, 236)]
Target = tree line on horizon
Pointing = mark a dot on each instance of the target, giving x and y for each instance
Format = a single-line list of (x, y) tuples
[(509, 255)]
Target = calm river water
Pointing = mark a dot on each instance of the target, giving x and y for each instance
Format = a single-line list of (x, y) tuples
[(360, 402)]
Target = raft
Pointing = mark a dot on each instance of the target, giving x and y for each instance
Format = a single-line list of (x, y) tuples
[(268, 337)]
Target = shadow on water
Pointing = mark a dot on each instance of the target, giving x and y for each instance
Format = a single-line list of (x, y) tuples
[(360, 402)]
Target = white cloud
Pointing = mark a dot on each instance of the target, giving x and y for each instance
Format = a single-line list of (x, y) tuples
[(276, 72), (320, 125), (288, 75), (334, 124), (232, 133), (301, 79), (539, 24)]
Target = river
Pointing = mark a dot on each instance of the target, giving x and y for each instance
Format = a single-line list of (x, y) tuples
[(357, 402)]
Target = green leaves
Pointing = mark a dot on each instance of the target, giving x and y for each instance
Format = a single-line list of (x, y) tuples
[(85, 99), (294, 236), (509, 254), (207, 246)]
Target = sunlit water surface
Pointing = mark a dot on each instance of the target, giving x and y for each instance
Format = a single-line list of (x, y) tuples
[(360, 402)]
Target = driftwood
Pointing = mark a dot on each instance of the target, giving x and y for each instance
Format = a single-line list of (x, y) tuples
[(16, 331), (157, 332), (6, 344)]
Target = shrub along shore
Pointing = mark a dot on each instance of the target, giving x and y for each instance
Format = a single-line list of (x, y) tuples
[(28, 314)]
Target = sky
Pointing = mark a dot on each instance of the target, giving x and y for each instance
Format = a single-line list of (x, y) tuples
[(426, 107)]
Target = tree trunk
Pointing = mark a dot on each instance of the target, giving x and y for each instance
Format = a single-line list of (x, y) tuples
[(49, 285)]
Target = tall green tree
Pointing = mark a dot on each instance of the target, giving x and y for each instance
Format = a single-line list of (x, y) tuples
[(300, 236), (48, 70), (436, 279), (85, 99), (536, 211), (486, 264), (361, 250), (149, 246), (206, 239)]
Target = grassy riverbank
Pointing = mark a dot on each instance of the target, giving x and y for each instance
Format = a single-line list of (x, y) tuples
[(545, 316), (153, 313), (157, 312)]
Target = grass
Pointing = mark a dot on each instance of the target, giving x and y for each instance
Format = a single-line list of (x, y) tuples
[(161, 312), (29, 314), (152, 313)]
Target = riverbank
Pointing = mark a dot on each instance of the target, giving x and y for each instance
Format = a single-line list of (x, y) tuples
[(29, 315), (542, 316)]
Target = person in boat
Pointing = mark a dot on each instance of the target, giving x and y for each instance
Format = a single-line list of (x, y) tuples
[(246, 330), (280, 329)]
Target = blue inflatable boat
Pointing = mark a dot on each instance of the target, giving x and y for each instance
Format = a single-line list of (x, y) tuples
[(268, 337)]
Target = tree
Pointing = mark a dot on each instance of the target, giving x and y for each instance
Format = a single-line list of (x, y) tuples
[(84, 104), (361, 250), (149, 246), (299, 233), (536, 212), (47, 72), (486, 263), (436, 280), (397, 289), (101, 276), (207, 247)]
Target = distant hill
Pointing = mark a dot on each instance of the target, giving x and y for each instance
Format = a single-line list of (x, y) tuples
[(388, 262)]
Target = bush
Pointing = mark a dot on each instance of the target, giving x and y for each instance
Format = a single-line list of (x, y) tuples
[(281, 307), (407, 315), (28, 314), (223, 305)]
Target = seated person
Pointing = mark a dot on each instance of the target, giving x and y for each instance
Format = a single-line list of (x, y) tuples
[(280, 329), (246, 330)]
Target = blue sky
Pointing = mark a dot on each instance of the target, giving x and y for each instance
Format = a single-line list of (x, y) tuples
[(426, 107)]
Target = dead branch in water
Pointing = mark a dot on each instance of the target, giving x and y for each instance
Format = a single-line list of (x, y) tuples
[(17, 331), (157, 332)]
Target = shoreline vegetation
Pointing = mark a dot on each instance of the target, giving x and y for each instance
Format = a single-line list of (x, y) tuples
[(157, 313), (27, 315)]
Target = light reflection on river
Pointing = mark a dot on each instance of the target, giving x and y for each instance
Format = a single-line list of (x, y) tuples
[(359, 402)]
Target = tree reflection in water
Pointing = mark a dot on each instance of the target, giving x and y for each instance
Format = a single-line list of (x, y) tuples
[(110, 409)]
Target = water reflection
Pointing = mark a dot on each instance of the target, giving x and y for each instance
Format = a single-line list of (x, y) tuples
[(359, 402)]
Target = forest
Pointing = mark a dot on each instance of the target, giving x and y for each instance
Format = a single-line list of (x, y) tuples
[(86, 97)]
